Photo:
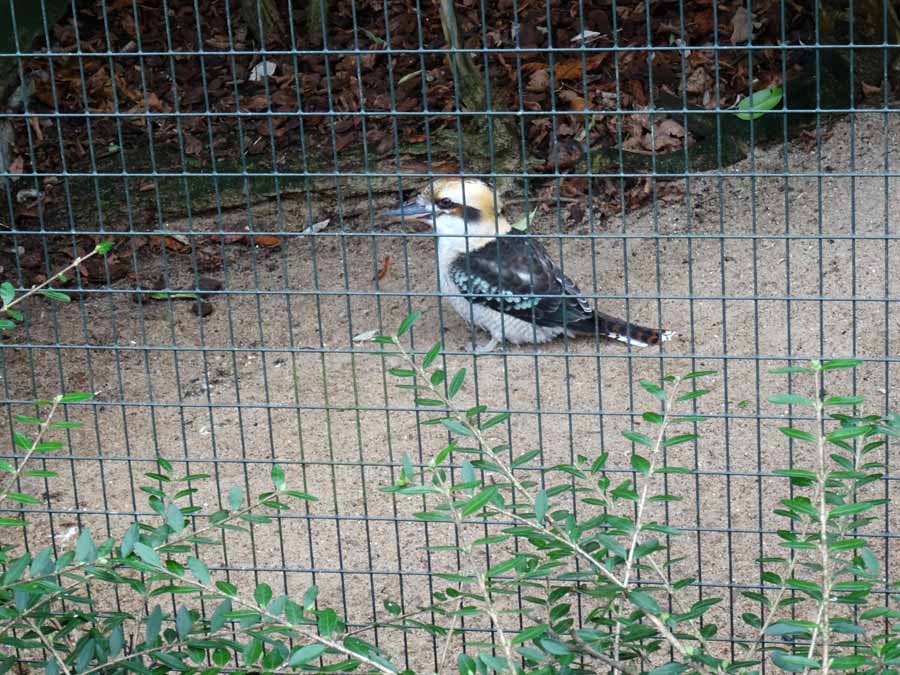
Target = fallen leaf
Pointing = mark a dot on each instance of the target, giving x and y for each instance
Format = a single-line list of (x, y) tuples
[(17, 165), (192, 145), (262, 70), (868, 90), (267, 240), (698, 82), (568, 70), (171, 243), (385, 267), (539, 81), (741, 26), (317, 227), (574, 101)]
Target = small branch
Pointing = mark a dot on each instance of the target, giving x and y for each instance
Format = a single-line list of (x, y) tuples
[(823, 620), (47, 644), (37, 289), (600, 656), (4, 491)]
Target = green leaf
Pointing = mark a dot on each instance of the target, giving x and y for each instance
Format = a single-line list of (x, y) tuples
[(85, 550), (465, 664), (252, 651), (278, 477), (306, 654), (6, 324), (131, 536), (432, 354), (147, 554), (847, 662), (791, 399), (103, 247), (644, 602), (637, 437), (789, 369), (402, 372), (654, 389), (263, 595), (7, 292), (11, 522), (530, 633), (540, 506), (523, 222), (500, 568), (795, 473), (670, 669), (836, 364), (183, 622), (22, 498), (640, 464), (456, 383), (793, 663), (55, 295), (854, 508), (456, 427), (844, 400), (495, 420), (407, 323), (847, 432), (154, 623), (679, 439), (199, 570), (791, 432), (328, 621), (691, 395), (309, 597), (478, 502), (759, 102), (235, 497), (174, 518), (76, 397), (555, 647)]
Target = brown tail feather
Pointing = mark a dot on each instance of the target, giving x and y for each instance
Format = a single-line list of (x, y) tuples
[(616, 329)]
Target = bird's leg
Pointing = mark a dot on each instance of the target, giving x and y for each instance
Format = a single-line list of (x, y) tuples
[(485, 348)]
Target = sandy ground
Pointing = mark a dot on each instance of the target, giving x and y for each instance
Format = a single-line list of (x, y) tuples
[(276, 377)]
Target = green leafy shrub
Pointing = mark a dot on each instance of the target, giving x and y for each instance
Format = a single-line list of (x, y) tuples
[(823, 605)]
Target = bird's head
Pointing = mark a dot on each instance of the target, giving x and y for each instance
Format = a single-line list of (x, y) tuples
[(458, 207)]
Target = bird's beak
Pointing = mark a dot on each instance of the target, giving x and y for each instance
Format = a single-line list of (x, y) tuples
[(417, 208)]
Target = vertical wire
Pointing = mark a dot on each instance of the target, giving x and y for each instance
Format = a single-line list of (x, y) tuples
[(330, 116), (295, 368), (232, 337)]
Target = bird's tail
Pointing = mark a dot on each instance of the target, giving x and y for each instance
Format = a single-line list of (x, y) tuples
[(617, 329)]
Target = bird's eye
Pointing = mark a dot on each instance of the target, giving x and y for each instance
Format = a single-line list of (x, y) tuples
[(445, 203)]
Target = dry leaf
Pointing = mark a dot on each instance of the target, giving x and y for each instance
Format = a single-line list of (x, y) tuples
[(267, 240), (192, 145), (698, 82), (741, 26), (539, 81), (574, 101), (385, 267)]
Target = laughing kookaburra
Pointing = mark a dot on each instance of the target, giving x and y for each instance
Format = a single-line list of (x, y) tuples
[(503, 281)]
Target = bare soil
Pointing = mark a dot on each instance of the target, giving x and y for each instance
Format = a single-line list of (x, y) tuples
[(753, 270)]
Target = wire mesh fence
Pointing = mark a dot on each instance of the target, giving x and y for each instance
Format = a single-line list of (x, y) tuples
[(725, 170)]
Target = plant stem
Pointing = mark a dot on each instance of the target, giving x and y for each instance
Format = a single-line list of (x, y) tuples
[(37, 289), (822, 623), (4, 491), (49, 646)]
